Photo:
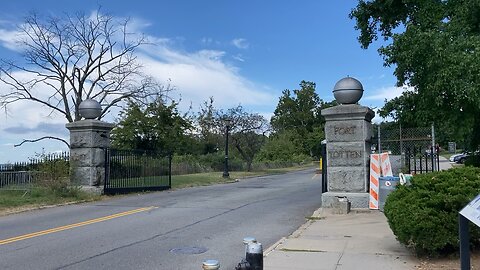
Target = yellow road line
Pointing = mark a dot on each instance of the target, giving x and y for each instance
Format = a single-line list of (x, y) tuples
[(71, 226)]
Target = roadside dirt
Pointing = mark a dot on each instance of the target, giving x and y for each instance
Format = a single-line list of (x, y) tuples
[(449, 263)]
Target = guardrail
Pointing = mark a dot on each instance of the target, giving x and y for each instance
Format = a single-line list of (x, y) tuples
[(20, 180)]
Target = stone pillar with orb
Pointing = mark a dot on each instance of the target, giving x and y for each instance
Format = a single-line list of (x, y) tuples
[(348, 132), (88, 140)]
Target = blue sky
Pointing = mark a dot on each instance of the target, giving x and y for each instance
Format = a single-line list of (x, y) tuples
[(240, 52)]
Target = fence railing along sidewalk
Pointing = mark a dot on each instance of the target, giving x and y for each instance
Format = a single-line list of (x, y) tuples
[(24, 175)]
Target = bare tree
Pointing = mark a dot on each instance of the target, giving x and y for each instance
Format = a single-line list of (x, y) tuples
[(248, 131), (76, 57)]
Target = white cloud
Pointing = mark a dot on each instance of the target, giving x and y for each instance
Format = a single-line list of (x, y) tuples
[(207, 41), (377, 98), (387, 93), (267, 115), (240, 43), (196, 76), (8, 144), (238, 57), (11, 39), (202, 74)]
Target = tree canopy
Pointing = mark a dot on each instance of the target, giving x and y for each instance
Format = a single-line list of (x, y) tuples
[(434, 46), (247, 130), (297, 118), (155, 127), (71, 58)]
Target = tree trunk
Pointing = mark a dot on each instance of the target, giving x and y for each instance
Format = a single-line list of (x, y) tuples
[(245, 157), (249, 166)]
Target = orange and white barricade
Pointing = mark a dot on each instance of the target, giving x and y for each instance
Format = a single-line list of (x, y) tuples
[(374, 180), (385, 165), (379, 166)]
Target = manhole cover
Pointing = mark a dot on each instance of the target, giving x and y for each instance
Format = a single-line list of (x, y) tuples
[(189, 250)]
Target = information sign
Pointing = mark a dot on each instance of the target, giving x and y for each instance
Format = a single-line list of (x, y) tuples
[(472, 211)]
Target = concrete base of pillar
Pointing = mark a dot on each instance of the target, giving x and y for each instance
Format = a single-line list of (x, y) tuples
[(92, 189), (357, 200)]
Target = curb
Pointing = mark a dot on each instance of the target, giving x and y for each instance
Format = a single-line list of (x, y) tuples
[(271, 248), (294, 234)]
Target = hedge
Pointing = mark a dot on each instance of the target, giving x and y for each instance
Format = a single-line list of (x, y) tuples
[(424, 215)]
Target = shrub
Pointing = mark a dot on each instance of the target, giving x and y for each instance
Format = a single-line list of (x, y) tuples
[(186, 164), (53, 174), (424, 215), (473, 160)]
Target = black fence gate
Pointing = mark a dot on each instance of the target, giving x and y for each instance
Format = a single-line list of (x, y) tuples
[(133, 171), (418, 160), (412, 147), (323, 167)]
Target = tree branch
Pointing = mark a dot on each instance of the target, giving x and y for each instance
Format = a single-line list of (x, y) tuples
[(42, 138)]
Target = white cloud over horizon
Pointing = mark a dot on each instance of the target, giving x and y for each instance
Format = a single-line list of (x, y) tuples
[(203, 74), (382, 94), (387, 93), (241, 43), (196, 76)]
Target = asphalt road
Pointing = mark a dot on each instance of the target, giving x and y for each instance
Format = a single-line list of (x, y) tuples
[(162, 230)]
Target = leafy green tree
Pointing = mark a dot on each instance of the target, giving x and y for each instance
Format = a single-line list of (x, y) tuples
[(208, 132), (156, 126), (434, 46), (283, 147), (299, 111), (247, 131)]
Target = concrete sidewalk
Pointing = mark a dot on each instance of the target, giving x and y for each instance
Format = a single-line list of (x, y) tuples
[(361, 239)]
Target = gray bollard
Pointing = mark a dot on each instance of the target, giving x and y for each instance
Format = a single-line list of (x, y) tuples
[(210, 265), (254, 256), (247, 240)]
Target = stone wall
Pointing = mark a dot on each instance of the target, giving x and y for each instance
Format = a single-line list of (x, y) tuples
[(348, 131), (88, 141)]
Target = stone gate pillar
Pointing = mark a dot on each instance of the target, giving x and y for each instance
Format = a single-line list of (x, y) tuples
[(348, 131), (88, 140)]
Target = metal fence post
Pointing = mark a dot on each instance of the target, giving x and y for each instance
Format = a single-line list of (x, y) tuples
[(170, 170), (438, 158), (402, 160), (432, 155), (433, 146), (379, 140), (324, 166), (464, 242), (107, 169)]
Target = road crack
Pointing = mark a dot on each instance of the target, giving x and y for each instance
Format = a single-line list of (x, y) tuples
[(161, 235)]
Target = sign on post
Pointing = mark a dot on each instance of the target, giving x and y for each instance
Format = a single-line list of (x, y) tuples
[(452, 147), (472, 211)]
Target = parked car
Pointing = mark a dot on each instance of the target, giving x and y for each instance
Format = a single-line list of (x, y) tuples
[(462, 157), (452, 157)]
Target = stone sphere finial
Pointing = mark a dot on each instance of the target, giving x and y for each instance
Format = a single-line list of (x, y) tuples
[(90, 109), (348, 90)]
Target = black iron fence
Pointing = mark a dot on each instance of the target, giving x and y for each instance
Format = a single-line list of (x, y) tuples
[(35, 171), (396, 140), (421, 160), (135, 170)]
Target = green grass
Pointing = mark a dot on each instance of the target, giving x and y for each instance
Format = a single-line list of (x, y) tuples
[(147, 181), (10, 200), (203, 179), (36, 197)]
